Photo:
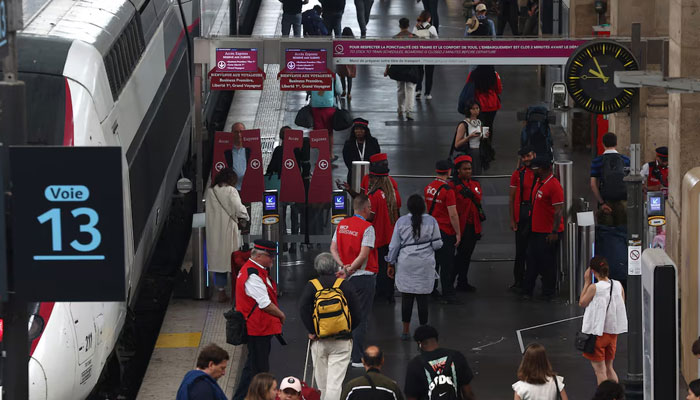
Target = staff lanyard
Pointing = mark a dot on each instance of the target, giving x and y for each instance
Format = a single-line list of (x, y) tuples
[(537, 189), (362, 152)]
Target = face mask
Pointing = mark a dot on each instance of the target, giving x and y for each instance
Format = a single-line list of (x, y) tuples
[(481, 17)]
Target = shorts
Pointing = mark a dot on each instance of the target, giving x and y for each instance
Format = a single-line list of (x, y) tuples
[(605, 348)]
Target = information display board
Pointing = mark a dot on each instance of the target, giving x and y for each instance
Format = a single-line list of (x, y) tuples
[(305, 60), (236, 69), (237, 60), (68, 223)]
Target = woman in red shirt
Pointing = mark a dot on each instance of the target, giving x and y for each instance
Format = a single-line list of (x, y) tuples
[(487, 92)]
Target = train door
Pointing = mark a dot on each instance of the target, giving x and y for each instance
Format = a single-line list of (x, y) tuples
[(84, 328)]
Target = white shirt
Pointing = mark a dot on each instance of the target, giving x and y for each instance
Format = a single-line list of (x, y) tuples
[(645, 170), (546, 391), (425, 33), (474, 142), (367, 241), (256, 289), (595, 319)]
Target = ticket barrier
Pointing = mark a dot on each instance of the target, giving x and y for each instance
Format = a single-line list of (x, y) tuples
[(656, 219), (271, 227), (339, 209)]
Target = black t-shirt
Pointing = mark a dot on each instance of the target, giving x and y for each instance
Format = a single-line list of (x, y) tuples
[(291, 6), (417, 380)]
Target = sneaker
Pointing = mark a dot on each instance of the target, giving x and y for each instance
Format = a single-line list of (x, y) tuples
[(418, 96), (409, 116), (356, 365), (428, 96), (405, 337)]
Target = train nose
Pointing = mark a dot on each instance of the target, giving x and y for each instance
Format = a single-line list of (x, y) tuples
[(37, 380)]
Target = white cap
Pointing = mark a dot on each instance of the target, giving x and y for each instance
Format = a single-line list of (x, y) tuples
[(481, 7), (291, 382)]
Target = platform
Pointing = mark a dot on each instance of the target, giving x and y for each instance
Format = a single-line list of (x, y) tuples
[(488, 326)]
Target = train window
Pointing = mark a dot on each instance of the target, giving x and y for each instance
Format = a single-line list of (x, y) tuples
[(36, 326)]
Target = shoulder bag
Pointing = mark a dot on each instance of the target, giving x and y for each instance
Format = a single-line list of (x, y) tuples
[(236, 330), (304, 117), (241, 222), (437, 192), (556, 384), (585, 342)]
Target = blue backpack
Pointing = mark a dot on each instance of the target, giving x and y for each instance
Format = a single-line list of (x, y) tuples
[(313, 24), (536, 131)]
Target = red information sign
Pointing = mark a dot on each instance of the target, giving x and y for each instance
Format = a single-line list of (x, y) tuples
[(236, 80), (291, 184), (223, 141), (305, 60), (237, 60), (253, 186), (321, 184), (291, 81)]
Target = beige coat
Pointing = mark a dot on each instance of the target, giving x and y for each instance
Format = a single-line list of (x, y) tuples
[(222, 226)]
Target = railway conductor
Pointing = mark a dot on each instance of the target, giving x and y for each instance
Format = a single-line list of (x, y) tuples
[(256, 299)]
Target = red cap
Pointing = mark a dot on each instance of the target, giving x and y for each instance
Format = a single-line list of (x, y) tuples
[(462, 159), (378, 157)]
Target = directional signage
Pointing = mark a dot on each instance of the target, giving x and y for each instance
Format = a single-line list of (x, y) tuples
[(237, 60), (4, 13), (67, 223), (236, 80), (295, 81), (305, 60)]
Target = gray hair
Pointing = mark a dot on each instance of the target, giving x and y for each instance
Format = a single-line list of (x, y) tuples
[(255, 252), (325, 264)]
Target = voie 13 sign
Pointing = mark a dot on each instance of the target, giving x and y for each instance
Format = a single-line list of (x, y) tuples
[(67, 223)]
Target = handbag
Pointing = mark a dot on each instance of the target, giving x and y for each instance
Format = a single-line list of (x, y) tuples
[(585, 342), (556, 384), (304, 117), (236, 330), (405, 73), (342, 119)]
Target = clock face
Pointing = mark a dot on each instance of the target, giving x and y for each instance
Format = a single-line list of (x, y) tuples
[(589, 76)]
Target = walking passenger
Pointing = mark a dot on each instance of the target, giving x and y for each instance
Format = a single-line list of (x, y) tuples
[(352, 247), (437, 372), (363, 9), (469, 135), (333, 15), (487, 92), (547, 224), (605, 317), (346, 71), (323, 109), (291, 16), (607, 183), (431, 6), (425, 30), (200, 383), (537, 380), (468, 196), (262, 387), (519, 206), (224, 209), (256, 298), (360, 146), (331, 354), (406, 87), (507, 13), (479, 24), (237, 157), (412, 260), (373, 385), (441, 203)]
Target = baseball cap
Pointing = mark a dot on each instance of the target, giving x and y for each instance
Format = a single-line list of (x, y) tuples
[(481, 7), (443, 166), (266, 245), (662, 152), (291, 382)]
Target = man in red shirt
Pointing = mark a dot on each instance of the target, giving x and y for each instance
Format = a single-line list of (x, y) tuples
[(656, 172), (441, 203), (468, 196), (521, 183), (256, 299), (353, 248), (547, 224)]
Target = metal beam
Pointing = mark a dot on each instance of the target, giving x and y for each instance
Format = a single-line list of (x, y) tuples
[(638, 79)]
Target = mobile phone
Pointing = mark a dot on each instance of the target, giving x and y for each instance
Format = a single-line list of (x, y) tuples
[(592, 277)]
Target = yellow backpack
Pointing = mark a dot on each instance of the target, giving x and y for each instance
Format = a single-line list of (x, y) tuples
[(331, 313)]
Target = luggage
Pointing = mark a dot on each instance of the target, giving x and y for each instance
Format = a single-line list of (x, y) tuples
[(342, 119), (406, 73), (331, 315), (536, 132), (305, 117)]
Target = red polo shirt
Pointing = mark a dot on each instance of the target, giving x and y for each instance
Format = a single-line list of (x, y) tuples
[(468, 213), (528, 181), (364, 185), (445, 198), (547, 193)]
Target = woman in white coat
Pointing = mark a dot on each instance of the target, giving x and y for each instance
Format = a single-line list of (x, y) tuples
[(412, 255), (223, 210)]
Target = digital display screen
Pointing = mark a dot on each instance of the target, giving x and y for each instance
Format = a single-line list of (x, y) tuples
[(339, 202), (305, 60), (270, 202), (237, 60), (655, 204)]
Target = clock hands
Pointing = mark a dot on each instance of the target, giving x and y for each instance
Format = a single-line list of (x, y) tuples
[(598, 74)]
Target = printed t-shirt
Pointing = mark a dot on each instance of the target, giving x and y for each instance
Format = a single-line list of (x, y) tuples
[(417, 380), (547, 194), (445, 198)]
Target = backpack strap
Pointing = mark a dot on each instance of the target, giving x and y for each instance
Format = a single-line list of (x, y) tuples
[(371, 382), (337, 283), (317, 284), (432, 205)]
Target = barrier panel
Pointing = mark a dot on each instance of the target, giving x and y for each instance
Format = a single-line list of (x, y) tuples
[(291, 182), (322, 180), (253, 185), (223, 142)]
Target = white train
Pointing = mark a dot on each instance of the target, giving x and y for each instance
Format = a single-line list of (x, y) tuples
[(106, 73)]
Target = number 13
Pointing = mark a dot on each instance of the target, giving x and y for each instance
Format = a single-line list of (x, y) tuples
[(54, 215)]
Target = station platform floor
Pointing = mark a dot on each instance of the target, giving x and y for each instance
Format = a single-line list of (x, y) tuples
[(493, 324)]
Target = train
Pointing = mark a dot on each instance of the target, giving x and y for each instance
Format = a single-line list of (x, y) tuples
[(107, 73)]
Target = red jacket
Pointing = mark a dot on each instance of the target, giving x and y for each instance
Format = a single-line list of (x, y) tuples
[(260, 323), (364, 185), (468, 213), (348, 237), (489, 100)]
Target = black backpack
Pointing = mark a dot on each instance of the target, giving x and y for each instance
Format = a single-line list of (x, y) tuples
[(441, 385), (536, 132), (612, 184)]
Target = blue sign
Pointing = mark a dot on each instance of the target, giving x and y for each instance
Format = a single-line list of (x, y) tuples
[(68, 223), (339, 202), (270, 202), (655, 204), (3, 28)]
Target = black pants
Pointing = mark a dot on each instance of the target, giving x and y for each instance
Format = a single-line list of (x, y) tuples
[(432, 7), (347, 85), (541, 260), (522, 236), (428, 72), (385, 285), (444, 260), (487, 118), (258, 361), (407, 307), (508, 14), (464, 255)]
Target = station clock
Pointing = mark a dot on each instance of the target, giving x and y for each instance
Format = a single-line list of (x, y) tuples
[(589, 76)]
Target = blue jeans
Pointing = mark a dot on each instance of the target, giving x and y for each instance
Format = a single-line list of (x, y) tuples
[(220, 279), (291, 21), (333, 22), (364, 287)]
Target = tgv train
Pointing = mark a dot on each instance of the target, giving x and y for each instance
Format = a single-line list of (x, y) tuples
[(106, 73)]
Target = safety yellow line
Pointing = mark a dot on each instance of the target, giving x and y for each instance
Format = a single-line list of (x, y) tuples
[(178, 340)]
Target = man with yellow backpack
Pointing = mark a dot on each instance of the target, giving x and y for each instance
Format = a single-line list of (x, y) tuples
[(329, 309)]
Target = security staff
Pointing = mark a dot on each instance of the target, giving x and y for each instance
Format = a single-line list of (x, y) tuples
[(547, 224), (256, 299), (521, 183), (656, 172), (353, 248), (441, 203), (468, 195)]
